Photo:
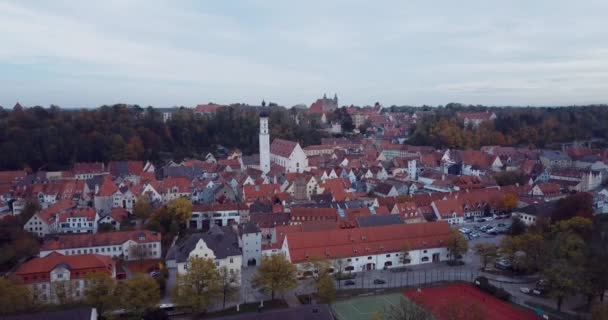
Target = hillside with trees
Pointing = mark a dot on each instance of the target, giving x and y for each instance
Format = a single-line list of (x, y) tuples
[(54, 138), (526, 127)]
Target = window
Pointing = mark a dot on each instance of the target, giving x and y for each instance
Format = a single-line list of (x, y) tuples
[(388, 255), (231, 262), (369, 258), (60, 275), (423, 251)]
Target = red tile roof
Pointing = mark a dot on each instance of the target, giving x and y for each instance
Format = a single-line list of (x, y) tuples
[(282, 148), (68, 241), (342, 243), (74, 263), (87, 213), (206, 108), (107, 188)]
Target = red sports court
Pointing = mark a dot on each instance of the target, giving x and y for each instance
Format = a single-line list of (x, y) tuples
[(462, 298)]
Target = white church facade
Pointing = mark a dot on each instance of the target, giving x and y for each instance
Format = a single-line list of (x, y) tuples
[(285, 153)]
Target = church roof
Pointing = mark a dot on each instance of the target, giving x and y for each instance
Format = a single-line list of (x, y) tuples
[(282, 148)]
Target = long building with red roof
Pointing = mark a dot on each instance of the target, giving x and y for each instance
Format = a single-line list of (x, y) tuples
[(370, 248), (54, 272)]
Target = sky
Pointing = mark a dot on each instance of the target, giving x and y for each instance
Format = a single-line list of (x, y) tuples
[(167, 53)]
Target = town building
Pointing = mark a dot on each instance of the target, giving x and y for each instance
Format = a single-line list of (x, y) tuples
[(361, 249), (220, 244), (62, 274), (127, 245)]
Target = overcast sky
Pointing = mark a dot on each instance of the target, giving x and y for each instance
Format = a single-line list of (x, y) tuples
[(163, 53)]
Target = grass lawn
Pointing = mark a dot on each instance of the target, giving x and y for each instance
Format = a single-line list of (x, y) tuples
[(364, 308)]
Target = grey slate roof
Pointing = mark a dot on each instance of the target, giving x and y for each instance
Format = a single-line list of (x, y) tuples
[(544, 209), (249, 228), (181, 171), (223, 241), (378, 220)]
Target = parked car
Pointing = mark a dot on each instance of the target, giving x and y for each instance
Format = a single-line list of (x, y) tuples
[(379, 281), (525, 290), (492, 230), (489, 218), (479, 219), (503, 264), (501, 225), (465, 230), (349, 283), (484, 228)]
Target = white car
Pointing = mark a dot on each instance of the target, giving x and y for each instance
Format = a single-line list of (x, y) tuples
[(525, 290), (465, 230)]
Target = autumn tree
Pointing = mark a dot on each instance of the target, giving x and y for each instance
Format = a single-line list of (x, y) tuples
[(567, 249), (275, 274), (138, 294), (406, 310), (100, 291), (14, 298), (526, 251), (487, 252), (180, 210), (142, 208), (457, 245), (229, 284), (199, 286), (510, 201), (326, 289)]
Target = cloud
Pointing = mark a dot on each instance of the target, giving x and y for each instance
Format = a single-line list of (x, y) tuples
[(164, 52)]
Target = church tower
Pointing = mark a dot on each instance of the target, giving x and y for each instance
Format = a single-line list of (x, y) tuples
[(264, 143)]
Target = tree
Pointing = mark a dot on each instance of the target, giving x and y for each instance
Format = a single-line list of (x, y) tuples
[(142, 208), (199, 286), (406, 310), (457, 245), (508, 178), (317, 267), (325, 288), (579, 204), (275, 274), (13, 298), (510, 201), (29, 209), (487, 252), (138, 294), (105, 227), (517, 227), (229, 280), (99, 291), (567, 250), (64, 291), (338, 266), (181, 211)]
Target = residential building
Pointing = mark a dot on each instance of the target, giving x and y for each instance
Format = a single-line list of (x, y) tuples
[(54, 273), (220, 244), (127, 245), (360, 249)]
